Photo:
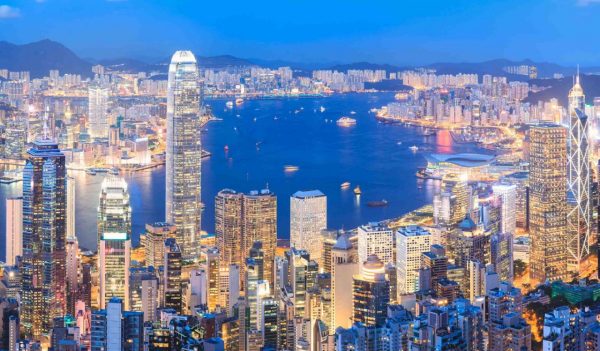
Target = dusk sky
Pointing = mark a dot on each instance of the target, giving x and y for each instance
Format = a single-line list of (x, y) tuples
[(397, 32)]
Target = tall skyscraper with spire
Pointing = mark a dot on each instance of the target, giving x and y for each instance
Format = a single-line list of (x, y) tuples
[(579, 213), (44, 237), (184, 152)]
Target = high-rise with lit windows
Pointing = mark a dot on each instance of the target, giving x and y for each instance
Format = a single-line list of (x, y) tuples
[(98, 111), (548, 192), (114, 244), (184, 152), (308, 216), (44, 237)]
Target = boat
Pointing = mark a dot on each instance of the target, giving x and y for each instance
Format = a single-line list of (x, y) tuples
[(428, 132), (226, 148), (254, 119), (399, 143), (229, 104), (258, 143), (239, 101), (357, 190), (381, 203), (345, 185), (414, 148), (352, 112), (346, 122), (290, 168), (322, 109)]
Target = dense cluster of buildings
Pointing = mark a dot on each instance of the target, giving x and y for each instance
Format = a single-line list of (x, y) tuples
[(449, 282)]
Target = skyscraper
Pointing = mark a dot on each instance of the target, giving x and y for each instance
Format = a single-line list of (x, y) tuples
[(371, 293), (184, 152), (548, 190), (154, 242), (411, 242), (14, 229), (240, 221), (172, 276), (579, 215), (114, 244), (375, 239), (70, 207), (228, 227), (97, 111), (260, 224), (44, 235), (508, 213), (308, 216)]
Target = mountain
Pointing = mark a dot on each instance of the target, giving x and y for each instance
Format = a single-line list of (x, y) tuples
[(367, 65), (496, 67), (40, 57)]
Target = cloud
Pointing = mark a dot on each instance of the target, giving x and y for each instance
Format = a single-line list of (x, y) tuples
[(9, 12), (587, 2)]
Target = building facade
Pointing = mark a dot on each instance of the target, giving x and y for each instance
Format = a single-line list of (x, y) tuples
[(184, 152)]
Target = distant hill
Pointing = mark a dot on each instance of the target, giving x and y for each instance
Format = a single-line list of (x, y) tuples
[(367, 65), (496, 67), (40, 57), (559, 88)]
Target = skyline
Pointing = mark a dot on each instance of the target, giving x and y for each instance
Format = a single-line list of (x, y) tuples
[(381, 33)]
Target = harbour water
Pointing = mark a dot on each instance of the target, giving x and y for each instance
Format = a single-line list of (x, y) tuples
[(265, 136)]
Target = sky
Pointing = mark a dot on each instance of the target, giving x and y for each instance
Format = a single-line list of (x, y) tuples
[(314, 31)]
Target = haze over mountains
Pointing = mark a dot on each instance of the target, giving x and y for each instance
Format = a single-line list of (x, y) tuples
[(42, 56)]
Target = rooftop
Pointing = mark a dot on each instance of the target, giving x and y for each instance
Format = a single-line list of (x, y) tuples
[(462, 160)]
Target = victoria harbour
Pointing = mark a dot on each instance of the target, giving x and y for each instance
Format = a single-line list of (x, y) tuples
[(372, 155)]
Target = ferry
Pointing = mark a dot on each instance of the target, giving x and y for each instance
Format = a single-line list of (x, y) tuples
[(346, 122), (357, 190), (428, 132), (289, 168), (414, 148), (381, 203), (229, 104), (239, 101), (345, 185)]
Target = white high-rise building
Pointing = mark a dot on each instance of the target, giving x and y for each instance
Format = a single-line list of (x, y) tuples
[(97, 111), (308, 216), (579, 214), (14, 229), (114, 234), (411, 242), (70, 207), (375, 239), (508, 217), (184, 152)]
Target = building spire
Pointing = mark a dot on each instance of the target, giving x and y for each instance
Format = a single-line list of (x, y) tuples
[(577, 77)]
